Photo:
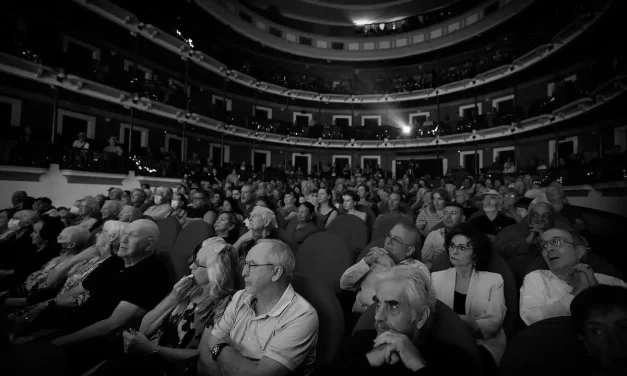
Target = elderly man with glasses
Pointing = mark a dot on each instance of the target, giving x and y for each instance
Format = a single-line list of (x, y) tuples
[(399, 248), (268, 328), (548, 293)]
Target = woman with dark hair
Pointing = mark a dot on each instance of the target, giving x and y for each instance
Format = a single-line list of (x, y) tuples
[(231, 205), (475, 294), (599, 316), (303, 227), (326, 211), (226, 227), (266, 202), (350, 201)]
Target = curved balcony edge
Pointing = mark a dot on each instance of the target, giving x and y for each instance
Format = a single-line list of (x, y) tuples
[(49, 76), (179, 47)]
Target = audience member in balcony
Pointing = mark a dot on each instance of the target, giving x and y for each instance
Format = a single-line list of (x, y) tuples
[(549, 293), (303, 227), (433, 212), (231, 205), (326, 210), (491, 221), (89, 211), (509, 167), (227, 227), (122, 289), (555, 196), (129, 214), (162, 207), (113, 149), (434, 243), (247, 202), (170, 334), (399, 248), (402, 343), (350, 201), (81, 142), (179, 208), (284, 324)]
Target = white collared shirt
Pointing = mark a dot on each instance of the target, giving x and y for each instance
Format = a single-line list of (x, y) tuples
[(433, 247), (287, 334), (544, 295)]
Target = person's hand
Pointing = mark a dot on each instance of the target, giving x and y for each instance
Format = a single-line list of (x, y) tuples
[(404, 347), (182, 287), (588, 272), (374, 253), (381, 355), (385, 260), (579, 281), (137, 343)]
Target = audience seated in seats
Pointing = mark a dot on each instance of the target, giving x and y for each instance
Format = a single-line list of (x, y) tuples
[(122, 289), (363, 191), (113, 148), (42, 205), (434, 243), (399, 247), (384, 195), (18, 202), (17, 238), (570, 214), (283, 325), (170, 334), (101, 199), (138, 200), (32, 258), (231, 205), (89, 211), (116, 194), (326, 211), (303, 227), (200, 206), (109, 211), (162, 207), (67, 299), (179, 208), (548, 293), (81, 142), (227, 227), (510, 207), (46, 281), (433, 212), (395, 209), (492, 221), (129, 214), (475, 294), (350, 201), (261, 225), (402, 343), (248, 200)]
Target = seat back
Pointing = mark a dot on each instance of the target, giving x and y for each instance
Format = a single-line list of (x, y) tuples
[(545, 346), (376, 242), (189, 238), (280, 219), (352, 231), (169, 229), (286, 238), (323, 257), (445, 326), (385, 224), (370, 216), (330, 315)]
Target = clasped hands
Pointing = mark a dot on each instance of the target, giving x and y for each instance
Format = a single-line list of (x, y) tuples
[(380, 256), (391, 347)]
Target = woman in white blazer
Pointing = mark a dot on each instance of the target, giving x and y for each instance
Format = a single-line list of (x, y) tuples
[(473, 293)]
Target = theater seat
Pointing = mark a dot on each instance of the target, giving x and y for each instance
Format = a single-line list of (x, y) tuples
[(169, 229), (445, 326), (330, 315), (370, 217), (383, 226), (177, 258), (323, 257), (352, 231), (548, 347), (510, 288)]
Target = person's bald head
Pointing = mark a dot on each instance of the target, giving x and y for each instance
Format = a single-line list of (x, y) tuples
[(73, 238), (138, 238)]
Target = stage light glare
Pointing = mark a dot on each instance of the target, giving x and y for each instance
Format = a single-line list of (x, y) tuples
[(362, 22), (406, 129)]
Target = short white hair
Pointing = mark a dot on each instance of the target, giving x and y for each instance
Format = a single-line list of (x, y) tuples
[(167, 193), (117, 206), (280, 254), (77, 235), (115, 227), (418, 286)]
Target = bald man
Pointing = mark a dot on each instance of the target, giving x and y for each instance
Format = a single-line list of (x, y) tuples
[(122, 289)]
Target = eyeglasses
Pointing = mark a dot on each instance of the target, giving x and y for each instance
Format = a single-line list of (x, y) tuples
[(394, 241), (249, 265), (556, 242), (460, 247)]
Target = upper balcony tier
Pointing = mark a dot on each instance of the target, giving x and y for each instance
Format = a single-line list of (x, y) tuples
[(499, 53)]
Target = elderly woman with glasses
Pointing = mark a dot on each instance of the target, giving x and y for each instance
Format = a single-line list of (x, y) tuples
[(548, 293), (475, 294), (168, 337)]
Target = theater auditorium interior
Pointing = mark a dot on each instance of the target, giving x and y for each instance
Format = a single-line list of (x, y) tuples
[(313, 187)]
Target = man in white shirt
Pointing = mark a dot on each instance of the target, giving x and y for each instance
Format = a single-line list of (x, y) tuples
[(400, 244), (548, 293), (81, 143), (267, 329), (434, 243)]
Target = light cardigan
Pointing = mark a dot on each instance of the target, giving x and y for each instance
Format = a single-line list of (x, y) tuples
[(485, 301), (433, 247), (160, 211)]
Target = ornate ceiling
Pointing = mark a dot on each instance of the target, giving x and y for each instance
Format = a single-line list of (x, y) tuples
[(349, 12)]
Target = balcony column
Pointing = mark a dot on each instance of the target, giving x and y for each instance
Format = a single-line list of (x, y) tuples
[(437, 156), (222, 150), (131, 120), (557, 145), (55, 110)]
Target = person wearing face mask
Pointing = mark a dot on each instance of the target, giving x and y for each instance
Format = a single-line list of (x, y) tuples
[(492, 222), (162, 208), (179, 208)]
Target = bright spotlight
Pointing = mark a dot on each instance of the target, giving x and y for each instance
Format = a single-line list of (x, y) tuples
[(362, 22), (406, 129)]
